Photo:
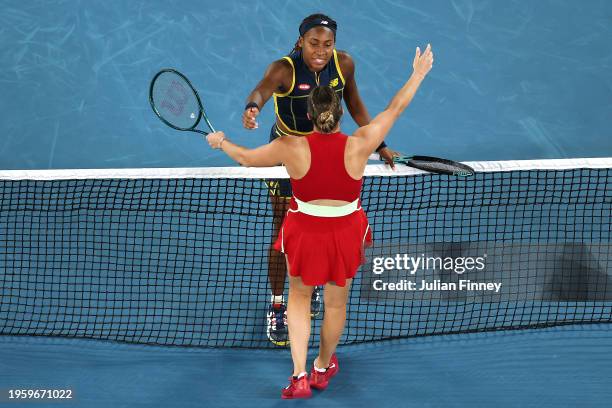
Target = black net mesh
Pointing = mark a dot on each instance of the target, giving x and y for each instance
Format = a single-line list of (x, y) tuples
[(184, 261)]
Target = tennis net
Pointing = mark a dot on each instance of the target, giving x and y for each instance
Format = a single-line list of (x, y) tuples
[(180, 256)]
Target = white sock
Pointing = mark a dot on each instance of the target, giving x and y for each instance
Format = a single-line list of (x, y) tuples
[(319, 370), (300, 375), (277, 300)]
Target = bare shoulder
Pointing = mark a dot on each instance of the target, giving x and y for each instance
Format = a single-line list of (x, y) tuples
[(284, 63), (280, 67), (293, 142), (355, 141), (346, 62), (290, 145), (361, 140), (356, 155), (278, 76), (295, 154)]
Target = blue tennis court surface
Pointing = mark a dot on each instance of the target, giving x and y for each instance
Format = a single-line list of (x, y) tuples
[(561, 367), (512, 80), (518, 80)]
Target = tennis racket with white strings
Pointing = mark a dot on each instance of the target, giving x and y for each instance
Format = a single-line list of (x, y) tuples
[(176, 102)]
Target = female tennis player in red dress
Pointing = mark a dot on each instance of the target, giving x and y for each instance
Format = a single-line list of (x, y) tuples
[(313, 62), (325, 230)]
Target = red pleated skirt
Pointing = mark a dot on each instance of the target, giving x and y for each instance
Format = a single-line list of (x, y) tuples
[(324, 249)]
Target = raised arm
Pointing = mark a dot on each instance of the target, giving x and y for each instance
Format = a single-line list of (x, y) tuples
[(277, 77), (355, 104), (368, 138)]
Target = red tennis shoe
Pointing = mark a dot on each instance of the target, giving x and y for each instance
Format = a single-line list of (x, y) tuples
[(297, 388), (320, 380)]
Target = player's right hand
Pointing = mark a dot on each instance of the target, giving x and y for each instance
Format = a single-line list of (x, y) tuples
[(248, 118)]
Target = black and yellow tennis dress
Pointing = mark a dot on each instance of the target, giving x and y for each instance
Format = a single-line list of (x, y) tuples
[(291, 107)]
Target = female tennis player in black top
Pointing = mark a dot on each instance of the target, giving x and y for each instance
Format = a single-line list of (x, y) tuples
[(313, 62)]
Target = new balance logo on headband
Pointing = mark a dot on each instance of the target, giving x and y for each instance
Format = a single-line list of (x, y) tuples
[(310, 23)]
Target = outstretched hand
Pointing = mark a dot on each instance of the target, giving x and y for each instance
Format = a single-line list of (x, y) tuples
[(387, 156), (249, 118), (423, 62)]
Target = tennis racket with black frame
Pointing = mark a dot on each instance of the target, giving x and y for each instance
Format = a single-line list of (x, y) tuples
[(176, 102), (434, 165)]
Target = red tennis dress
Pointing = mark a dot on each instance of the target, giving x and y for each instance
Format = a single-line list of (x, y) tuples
[(328, 246)]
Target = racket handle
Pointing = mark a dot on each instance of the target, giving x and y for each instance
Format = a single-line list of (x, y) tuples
[(209, 124)]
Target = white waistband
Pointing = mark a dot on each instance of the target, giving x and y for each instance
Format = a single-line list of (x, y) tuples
[(326, 210)]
